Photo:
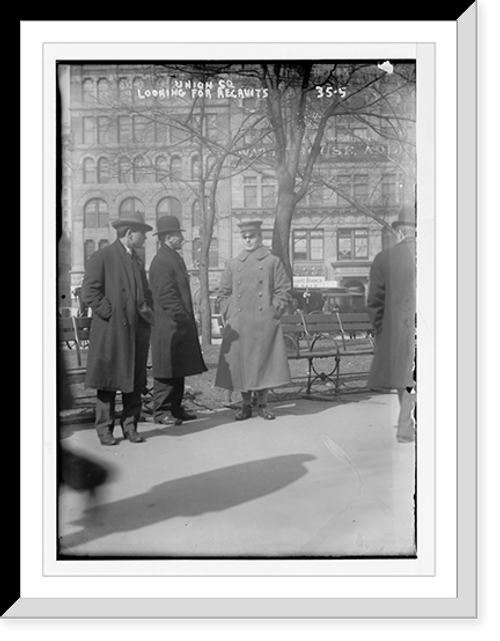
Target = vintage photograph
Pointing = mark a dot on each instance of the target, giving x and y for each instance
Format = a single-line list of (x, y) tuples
[(236, 309)]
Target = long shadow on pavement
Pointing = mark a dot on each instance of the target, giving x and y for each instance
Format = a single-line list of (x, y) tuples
[(189, 496)]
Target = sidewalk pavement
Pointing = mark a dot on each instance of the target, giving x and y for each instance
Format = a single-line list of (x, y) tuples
[(325, 479)]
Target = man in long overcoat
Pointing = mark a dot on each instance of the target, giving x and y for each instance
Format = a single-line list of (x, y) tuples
[(254, 293), (175, 348), (116, 288), (391, 306)]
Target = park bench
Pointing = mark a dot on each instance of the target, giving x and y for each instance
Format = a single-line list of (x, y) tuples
[(323, 341), (74, 332)]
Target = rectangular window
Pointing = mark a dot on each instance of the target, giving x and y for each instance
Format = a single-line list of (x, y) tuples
[(103, 130), (360, 189), (250, 191), (344, 183), (140, 124), (390, 190), (268, 195), (88, 131), (124, 129), (161, 129), (308, 245), (316, 197), (352, 244)]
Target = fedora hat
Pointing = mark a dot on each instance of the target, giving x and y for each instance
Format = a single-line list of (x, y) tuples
[(167, 224), (132, 220), (250, 225), (406, 218)]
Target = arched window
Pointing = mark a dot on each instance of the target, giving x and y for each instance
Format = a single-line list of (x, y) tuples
[(161, 168), (137, 89), (210, 162), (195, 168), (196, 213), (169, 207), (176, 167), (103, 170), (131, 206), (102, 90), (124, 170), (95, 214), (88, 90), (88, 171), (124, 89)]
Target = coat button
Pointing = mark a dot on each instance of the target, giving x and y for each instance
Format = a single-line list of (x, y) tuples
[(260, 267), (260, 309), (239, 309), (260, 293)]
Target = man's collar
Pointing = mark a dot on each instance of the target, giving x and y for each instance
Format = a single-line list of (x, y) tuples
[(259, 254)]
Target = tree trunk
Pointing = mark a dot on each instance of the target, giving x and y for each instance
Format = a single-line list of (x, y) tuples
[(205, 310), (282, 229)]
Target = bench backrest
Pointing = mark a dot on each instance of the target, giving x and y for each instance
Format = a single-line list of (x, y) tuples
[(82, 325), (66, 330), (322, 324), (292, 324), (353, 323)]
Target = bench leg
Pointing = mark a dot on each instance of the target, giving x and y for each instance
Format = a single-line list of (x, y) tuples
[(309, 375)]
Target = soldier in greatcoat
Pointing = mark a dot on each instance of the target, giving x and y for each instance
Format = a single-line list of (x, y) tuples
[(254, 293), (175, 348), (391, 306), (115, 287)]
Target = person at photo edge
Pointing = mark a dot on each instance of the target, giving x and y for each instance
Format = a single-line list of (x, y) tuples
[(254, 293), (175, 347), (115, 287), (391, 305)]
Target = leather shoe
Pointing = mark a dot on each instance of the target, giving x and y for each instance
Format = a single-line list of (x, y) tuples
[(265, 413), (133, 437), (184, 415), (168, 421), (108, 439), (244, 413)]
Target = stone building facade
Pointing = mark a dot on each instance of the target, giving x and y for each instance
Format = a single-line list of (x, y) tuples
[(119, 154)]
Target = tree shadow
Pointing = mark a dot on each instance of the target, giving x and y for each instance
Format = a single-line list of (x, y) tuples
[(190, 496)]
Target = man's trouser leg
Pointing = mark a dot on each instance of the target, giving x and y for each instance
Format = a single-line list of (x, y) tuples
[(167, 397), (105, 412), (132, 401)]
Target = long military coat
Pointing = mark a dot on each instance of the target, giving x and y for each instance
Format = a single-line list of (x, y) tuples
[(175, 348), (254, 292), (119, 341), (391, 307)]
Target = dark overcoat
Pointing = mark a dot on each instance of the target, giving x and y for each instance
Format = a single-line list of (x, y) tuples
[(254, 293), (175, 348), (391, 306), (119, 341)]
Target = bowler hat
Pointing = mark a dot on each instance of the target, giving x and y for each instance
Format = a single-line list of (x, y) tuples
[(167, 224), (250, 225), (133, 220), (406, 218)]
